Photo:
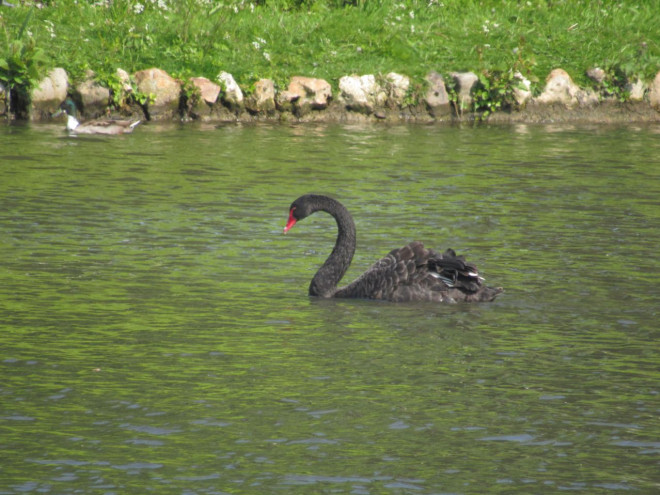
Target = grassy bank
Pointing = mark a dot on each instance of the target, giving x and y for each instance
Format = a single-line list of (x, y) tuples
[(327, 39)]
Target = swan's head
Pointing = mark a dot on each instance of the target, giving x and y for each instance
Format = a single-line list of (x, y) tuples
[(302, 208)]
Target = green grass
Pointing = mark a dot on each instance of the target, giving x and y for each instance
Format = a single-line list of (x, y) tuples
[(278, 39)]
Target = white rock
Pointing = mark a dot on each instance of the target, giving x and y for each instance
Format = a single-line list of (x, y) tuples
[(522, 91), (93, 96), (636, 89), (596, 74), (465, 84), (160, 84), (654, 92), (397, 86), (262, 100), (208, 90), (361, 93), (50, 93), (232, 94), (436, 97), (165, 90), (125, 80), (559, 88), (312, 93), (3, 98)]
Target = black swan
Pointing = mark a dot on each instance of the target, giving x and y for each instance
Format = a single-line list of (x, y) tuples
[(410, 273)]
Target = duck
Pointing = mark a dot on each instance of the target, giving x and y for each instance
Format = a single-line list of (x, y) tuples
[(98, 126)]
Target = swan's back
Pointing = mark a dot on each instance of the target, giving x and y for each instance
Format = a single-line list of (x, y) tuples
[(414, 273)]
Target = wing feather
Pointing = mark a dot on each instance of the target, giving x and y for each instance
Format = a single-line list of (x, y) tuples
[(413, 272)]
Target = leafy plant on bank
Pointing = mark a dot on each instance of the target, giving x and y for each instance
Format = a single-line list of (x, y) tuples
[(412, 97), (495, 92), (143, 99), (191, 95), (458, 105), (615, 84), (112, 81), (496, 89), (20, 68), (124, 93), (619, 75)]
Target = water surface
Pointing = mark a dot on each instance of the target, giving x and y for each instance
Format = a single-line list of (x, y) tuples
[(156, 335)]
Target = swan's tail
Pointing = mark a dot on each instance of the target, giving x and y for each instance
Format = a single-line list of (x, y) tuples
[(456, 273)]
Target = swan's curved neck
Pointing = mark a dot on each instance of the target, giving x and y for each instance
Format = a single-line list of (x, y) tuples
[(324, 283)]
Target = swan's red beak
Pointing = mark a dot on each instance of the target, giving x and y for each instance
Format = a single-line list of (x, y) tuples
[(291, 222)]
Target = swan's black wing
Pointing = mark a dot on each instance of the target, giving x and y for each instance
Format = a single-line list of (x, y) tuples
[(413, 273)]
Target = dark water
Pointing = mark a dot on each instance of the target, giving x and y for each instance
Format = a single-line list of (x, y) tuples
[(156, 335)]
